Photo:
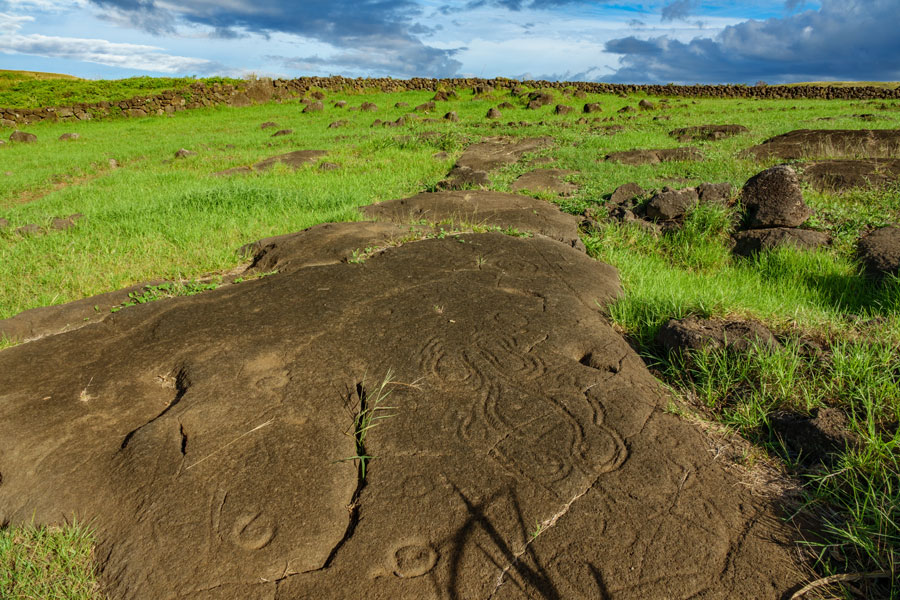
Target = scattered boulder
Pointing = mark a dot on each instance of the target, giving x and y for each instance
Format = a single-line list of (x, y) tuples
[(444, 95), (68, 137), (368, 107), (592, 107), (451, 116), (646, 105), (539, 99), (337, 124), (692, 333), (627, 109), (505, 106), (295, 159), (401, 105), (652, 157), (670, 204), (879, 251), (626, 193), (340, 104), (494, 113), (545, 180), (63, 223), (752, 241), (829, 143), (715, 193), (282, 132), (562, 109), (268, 125), (845, 174), (318, 94), (316, 106), (773, 198), (815, 438), (23, 137), (481, 207), (184, 153), (707, 132), (426, 107), (328, 166), (30, 229)]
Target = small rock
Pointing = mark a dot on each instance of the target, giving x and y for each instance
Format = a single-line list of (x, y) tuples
[(22, 136), (494, 113), (451, 116), (268, 124), (626, 193), (184, 153), (715, 193), (340, 104), (670, 204), (646, 105), (368, 106), (592, 107), (68, 136), (627, 109), (281, 132), (440, 156), (813, 439), (316, 106), (328, 166), (401, 105), (425, 107), (692, 334), (505, 106), (337, 124), (880, 251), (63, 223), (562, 109), (751, 241), (773, 198), (30, 229)]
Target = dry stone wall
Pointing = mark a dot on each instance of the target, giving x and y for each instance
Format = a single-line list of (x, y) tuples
[(265, 90)]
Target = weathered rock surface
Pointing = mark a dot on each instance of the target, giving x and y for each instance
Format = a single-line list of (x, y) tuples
[(491, 153), (880, 251), (752, 241), (842, 175), (481, 207), (626, 192), (715, 193), (545, 180), (815, 438), (295, 160), (707, 132), (693, 333), (669, 204), (526, 453), (773, 198), (652, 157), (830, 143), (68, 137), (23, 137)]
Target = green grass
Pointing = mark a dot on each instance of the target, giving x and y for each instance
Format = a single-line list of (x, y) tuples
[(47, 563), (158, 218), (22, 89)]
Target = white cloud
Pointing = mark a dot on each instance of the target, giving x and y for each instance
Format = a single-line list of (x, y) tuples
[(128, 56)]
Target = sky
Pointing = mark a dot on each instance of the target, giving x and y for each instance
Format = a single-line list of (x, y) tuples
[(655, 41)]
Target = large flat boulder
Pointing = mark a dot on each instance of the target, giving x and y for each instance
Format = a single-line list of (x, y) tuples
[(467, 208), (489, 154), (752, 241), (840, 175), (879, 251), (524, 450), (774, 198), (829, 143)]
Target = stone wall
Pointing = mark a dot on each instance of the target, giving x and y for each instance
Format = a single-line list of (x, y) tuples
[(265, 90)]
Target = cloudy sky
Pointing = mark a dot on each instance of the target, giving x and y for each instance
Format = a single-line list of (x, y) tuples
[(653, 41)]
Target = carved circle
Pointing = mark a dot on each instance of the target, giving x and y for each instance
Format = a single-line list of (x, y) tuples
[(252, 531), (412, 559)]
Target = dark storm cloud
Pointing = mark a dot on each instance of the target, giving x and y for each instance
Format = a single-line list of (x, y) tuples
[(678, 10), (358, 28), (844, 39)]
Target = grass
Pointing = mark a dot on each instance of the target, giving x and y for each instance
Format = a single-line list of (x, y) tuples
[(371, 410), (47, 563), (26, 89), (156, 217)]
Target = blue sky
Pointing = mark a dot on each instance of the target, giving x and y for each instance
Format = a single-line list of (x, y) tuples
[(678, 41)]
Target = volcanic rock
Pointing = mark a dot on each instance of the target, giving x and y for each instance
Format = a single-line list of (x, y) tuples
[(646, 105), (830, 143), (22, 136), (562, 109), (880, 251), (494, 113), (295, 159), (813, 439), (715, 193), (482, 208), (670, 204), (316, 106), (846, 174), (368, 106), (651, 157), (282, 132), (184, 153), (626, 193), (752, 241), (268, 125), (30, 229), (426, 107), (545, 180), (707, 132), (451, 116), (340, 104), (592, 107), (773, 198), (69, 136), (692, 334)]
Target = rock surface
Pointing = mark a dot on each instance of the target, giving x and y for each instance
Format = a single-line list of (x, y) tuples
[(830, 143), (526, 453), (669, 204), (545, 180), (693, 333), (880, 251), (491, 153), (652, 157), (23, 137), (773, 198), (842, 175), (707, 132), (752, 241), (481, 207)]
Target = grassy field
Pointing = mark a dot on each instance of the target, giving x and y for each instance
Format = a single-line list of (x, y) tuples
[(156, 217), (27, 89)]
